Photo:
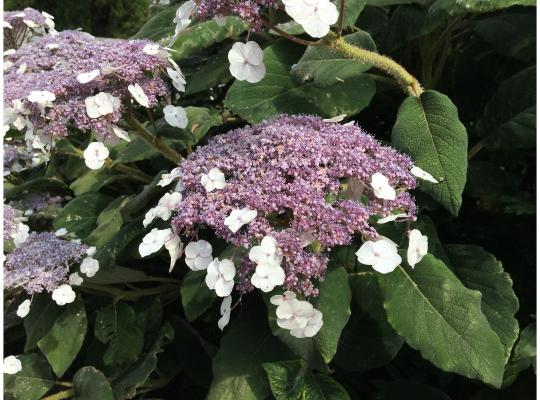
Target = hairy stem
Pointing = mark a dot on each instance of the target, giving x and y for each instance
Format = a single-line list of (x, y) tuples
[(408, 82), (154, 141), (66, 394)]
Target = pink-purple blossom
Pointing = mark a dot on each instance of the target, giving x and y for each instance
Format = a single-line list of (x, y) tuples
[(308, 180), (249, 10)]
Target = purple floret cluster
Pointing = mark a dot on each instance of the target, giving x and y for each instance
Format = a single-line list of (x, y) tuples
[(19, 25), (250, 10), (42, 263), (53, 63), (309, 181)]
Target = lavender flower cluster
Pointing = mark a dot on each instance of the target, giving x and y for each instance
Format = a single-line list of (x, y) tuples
[(21, 25), (250, 10), (308, 180), (52, 64), (42, 263)]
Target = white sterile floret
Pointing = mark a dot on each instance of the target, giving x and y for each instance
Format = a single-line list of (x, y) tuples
[(293, 314), (138, 94), (119, 132), (391, 218), (166, 179), (246, 61), (177, 77), (175, 248), (150, 216), (337, 118), (167, 205), (183, 15), (95, 155), (91, 251), (12, 365), (267, 252), (52, 46), (63, 295), (23, 309), (214, 179), (220, 276), (21, 234), (154, 241), (29, 23), (268, 276), (175, 116), (43, 98), (61, 232), (240, 217), (315, 16), (198, 255), (313, 326), (381, 188), (75, 279), (420, 173), (381, 254), (89, 266), (225, 311), (7, 25), (151, 49), (86, 77), (418, 247), (21, 69), (9, 52), (101, 104)]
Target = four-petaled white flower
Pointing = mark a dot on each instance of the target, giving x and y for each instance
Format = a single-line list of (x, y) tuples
[(214, 179), (166, 179), (86, 77), (75, 279), (164, 209), (381, 254), (313, 325), (220, 276), (95, 155), (198, 255), (43, 98), (89, 266), (63, 295), (101, 104), (151, 49), (298, 316), (21, 234), (240, 217), (138, 94), (246, 61), (418, 247), (23, 309), (183, 15), (175, 116), (12, 365), (391, 217), (175, 247), (91, 251), (267, 276), (420, 173), (177, 77), (154, 241), (267, 252), (381, 188), (225, 311), (315, 16)]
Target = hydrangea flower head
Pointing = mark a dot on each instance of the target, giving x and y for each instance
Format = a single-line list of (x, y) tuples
[(307, 184)]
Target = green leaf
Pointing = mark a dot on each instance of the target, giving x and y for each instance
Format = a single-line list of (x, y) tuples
[(40, 319), (200, 120), (480, 270), (109, 252), (117, 274), (323, 387), (279, 93), (64, 340), (91, 384), (213, 72), (204, 34), (237, 369), (509, 120), (125, 386), (79, 216), (435, 314), (195, 295), (523, 356), (41, 184), (286, 378), (368, 341), (353, 9), (32, 382), (409, 390), (456, 8), (325, 67), (91, 181), (109, 222), (158, 27), (116, 326), (429, 130), (334, 302)]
